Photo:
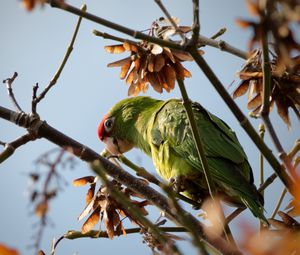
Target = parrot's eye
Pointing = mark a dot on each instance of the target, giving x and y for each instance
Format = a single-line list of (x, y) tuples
[(108, 124)]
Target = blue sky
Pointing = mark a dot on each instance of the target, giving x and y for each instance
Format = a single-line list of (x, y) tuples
[(34, 43)]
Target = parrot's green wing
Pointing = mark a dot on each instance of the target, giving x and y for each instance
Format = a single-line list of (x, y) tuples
[(227, 161)]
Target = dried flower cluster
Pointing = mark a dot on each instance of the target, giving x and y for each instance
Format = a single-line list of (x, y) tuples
[(150, 63), (283, 238), (285, 86), (280, 18), (102, 205)]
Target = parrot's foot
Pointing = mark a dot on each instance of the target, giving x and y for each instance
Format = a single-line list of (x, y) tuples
[(178, 183)]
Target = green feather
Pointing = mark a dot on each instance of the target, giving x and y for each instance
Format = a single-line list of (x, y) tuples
[(161, 129)]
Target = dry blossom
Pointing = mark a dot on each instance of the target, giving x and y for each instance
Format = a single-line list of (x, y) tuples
[(284, 91), (101, 205), (150, 63)]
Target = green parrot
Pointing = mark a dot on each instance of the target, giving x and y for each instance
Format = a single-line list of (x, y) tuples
[(161, 130)]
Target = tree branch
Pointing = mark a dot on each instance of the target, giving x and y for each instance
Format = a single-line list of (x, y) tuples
[(10, 148), (72, 234), (265, 109), (139, 35)]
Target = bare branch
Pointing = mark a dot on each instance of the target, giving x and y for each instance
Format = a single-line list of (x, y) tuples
[(279, 202), (222, 45), (37, 99), (218, 34), (10, 148), (196, 23), (112, 37), (9, 82)]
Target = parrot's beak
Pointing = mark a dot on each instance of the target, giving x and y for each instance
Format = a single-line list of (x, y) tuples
[(117, 146)]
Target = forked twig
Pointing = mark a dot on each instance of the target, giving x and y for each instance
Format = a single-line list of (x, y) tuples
[(9, 83), (36, 99)]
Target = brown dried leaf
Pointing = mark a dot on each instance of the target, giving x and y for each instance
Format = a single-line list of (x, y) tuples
[(182, 55), (114, 49), (283, 111), (90, 193), (288, 220), (247, 75), (181, 72), (241, 89), (163, 82), (159, 62), (91, 221), (153, 79), (83, 181), (109, 224), (168, 52), (132, 90), (150, 60), (131, 76), (120, 229), (124, 70), (254, 102), (120, 62), (170, 76), (130, 47)]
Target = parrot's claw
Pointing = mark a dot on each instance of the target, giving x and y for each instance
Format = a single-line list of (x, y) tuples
[(177, 183)]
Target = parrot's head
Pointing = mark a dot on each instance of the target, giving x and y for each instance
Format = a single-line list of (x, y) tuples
[(108, 133), (117, 129)]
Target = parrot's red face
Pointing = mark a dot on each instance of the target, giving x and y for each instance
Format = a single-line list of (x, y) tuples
[(114, 144)]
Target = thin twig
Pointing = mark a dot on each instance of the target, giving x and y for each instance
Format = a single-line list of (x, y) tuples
[(196, 23), (9, 82), (261, 131), (222, 45), (56, 76), (219, 33), (279, 202), (200, 149), (10, 148), (71, 234), (134, 210), (261, 158), (171, 20), (295, 149), (198, 142), (287, 181), (265, 109), (112, 37)]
